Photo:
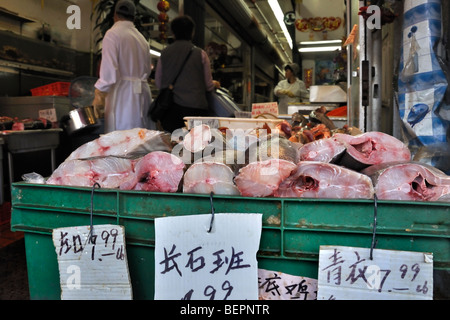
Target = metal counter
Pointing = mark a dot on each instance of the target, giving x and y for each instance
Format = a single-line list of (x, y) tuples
[(28, 141), (31, 140), (29, 107)]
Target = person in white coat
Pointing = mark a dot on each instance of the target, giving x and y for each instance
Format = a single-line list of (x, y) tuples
[(291, 89), (125, 67)]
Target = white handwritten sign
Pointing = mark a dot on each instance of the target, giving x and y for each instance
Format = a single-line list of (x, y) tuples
[(49, 114), (265, 107), (194, 264), (92, 267), (348, 273), (275, 285)]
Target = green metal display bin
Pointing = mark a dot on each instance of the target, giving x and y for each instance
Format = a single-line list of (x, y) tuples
[(293, 229)]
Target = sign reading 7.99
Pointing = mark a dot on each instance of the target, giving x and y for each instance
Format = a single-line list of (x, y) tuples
[(352, 273)]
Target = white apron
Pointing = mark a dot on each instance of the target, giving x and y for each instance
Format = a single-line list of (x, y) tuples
[(125, 67), (127, 104)]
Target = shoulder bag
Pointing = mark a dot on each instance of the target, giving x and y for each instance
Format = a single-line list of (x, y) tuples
[(162, 103)]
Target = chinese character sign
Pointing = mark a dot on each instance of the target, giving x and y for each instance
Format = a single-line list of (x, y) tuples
[(274, 285), (194, 264), (49, 114), (348, 273), (92, 265), (264, 108)]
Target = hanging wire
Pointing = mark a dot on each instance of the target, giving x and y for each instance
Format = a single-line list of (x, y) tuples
[(91, 231), (212, 211)]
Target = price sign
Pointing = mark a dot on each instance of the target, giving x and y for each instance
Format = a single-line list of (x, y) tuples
[(49, 114), (349, 273), (263, 108), (92, 267), (194, 264), (275, 285)]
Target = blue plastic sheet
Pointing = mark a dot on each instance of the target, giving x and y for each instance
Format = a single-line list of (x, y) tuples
[(423, 83)]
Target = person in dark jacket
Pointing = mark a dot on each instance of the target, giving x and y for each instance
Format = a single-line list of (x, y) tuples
[(194, 81)]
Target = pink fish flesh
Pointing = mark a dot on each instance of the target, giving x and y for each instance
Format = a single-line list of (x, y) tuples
[(208, 176), (409, 181), (124, 143), (262, 178), (313, 179), (197, 138), (157, 171), (323, 150), (272, 146), (371, 148), (109, 172)]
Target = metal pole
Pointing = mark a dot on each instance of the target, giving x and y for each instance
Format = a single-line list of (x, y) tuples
[(364, 73), (376, 93)]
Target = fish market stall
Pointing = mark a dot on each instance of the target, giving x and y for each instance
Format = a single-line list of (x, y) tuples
[(310, 196), (293, 229)]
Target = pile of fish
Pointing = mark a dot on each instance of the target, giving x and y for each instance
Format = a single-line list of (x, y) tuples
[(317, 126), (254, 163), (16, 124), (136, 159)]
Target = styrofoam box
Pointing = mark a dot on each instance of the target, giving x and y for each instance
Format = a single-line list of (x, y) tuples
[(327, 93), (231, 123)]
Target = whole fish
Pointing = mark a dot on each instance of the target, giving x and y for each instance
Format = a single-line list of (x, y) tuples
[(262, 178), (124, 143), (409, 181), (313, 179), (109, 172), (157, 171), (371, 148)]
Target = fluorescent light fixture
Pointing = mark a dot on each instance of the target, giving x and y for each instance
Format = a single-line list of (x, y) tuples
[(319, 49), (280, 17), (155, 53), (320, 42)]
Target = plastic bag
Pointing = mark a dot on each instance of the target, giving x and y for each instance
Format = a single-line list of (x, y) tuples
[(33, 177), (423, 84)]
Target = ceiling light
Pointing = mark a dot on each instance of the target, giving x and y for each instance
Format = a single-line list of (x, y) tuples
[(280, 17), (320, 42), (319, 49), (155, 53)]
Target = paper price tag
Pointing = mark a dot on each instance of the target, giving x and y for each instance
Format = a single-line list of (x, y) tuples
[(193, 264), (266, 107), (92, 267), (49, 114), (275, 285), (348, 273)]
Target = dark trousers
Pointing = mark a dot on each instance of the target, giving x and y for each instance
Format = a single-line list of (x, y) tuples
[(173, 119)]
